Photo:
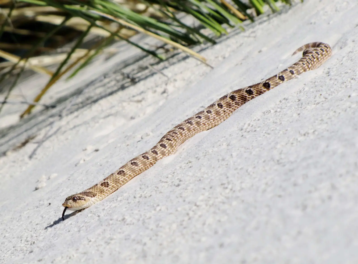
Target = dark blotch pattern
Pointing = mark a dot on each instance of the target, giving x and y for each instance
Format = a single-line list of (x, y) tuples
[(155, 152), (266, 85), (220, 105), (282, 78), (189, 122), (292, 72), (198, 117), (145, 157), (208, 111), (105, 184), (134, 163), (249, 92), (232, 97), (163, 145), (121, 172), (182, 128)]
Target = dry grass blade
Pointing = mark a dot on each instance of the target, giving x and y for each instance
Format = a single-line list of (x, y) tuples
[(234, 10), (58, 74), (16, 59), (26, 56), (47, 60), (49, 84)]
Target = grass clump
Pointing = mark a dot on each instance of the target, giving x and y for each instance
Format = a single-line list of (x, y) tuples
[(33, 32)]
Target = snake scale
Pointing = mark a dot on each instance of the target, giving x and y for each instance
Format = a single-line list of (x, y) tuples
[(314, 55)]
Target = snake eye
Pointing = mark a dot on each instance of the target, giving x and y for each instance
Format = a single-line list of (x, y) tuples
[(75, 199)]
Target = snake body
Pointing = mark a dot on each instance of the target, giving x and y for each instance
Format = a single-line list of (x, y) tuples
[(314, 55)]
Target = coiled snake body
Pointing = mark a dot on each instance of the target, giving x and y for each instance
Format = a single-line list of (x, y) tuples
[(314, 55)]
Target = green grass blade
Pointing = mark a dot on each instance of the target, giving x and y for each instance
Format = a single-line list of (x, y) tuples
[(172, 16), (225, 13), (272, 5), (258, 6)]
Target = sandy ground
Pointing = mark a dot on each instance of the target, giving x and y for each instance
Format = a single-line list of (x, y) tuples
[(275, 183)]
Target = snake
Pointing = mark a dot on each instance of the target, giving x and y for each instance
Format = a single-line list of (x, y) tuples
[(313, 56)]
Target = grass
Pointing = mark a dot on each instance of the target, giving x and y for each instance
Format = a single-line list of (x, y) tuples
[(31, 31)]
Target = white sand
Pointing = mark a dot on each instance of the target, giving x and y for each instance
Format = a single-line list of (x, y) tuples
[(275, 183)]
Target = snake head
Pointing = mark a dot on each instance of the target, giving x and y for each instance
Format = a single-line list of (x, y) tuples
[(76, 202), (80, 201)]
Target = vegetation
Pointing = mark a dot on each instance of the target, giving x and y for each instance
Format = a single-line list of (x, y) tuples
[(34, 32)]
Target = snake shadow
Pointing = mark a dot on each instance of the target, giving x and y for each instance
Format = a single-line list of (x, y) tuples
[(59, 220)]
